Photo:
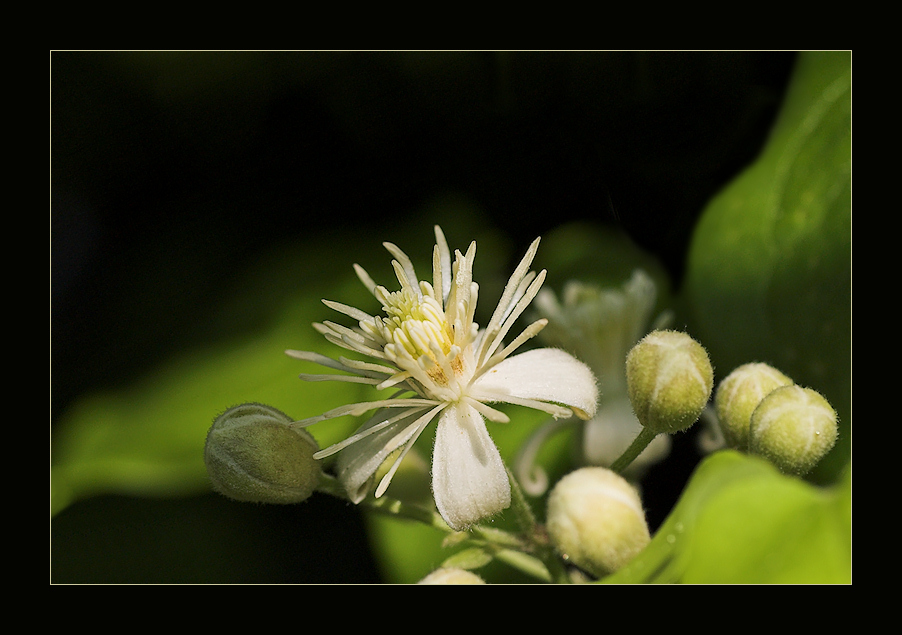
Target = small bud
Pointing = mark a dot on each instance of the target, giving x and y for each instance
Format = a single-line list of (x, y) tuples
[(794, 428), (451, 575), (739, 394), (669, 378), (595, 519), (253, 455)]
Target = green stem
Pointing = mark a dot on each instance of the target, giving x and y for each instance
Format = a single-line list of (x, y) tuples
[(329, 485), (534, 534), (527, 551), (400, 509), (390, 506), (526, 520), (641, 442)]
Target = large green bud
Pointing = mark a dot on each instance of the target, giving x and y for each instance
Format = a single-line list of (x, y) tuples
[(253, 454)]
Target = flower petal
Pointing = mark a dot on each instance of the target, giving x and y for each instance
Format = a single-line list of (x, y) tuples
[(469, 480), (545, 375), (359, 461)]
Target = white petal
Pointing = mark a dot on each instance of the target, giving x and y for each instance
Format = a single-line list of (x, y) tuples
[(469, 480), (544, 374), (358, 462)]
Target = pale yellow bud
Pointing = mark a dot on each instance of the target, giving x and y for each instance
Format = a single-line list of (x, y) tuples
[(794, 428), (669, 379), (452, 575), (739, 394), (253, 455), (595, 520)]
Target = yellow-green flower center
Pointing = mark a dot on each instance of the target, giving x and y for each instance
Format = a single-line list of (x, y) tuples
[(416, 331)]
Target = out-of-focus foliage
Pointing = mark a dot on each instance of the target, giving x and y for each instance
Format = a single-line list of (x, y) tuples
[(769, 275), (144, 439), (148, 438), (768, 279), (741, 521)]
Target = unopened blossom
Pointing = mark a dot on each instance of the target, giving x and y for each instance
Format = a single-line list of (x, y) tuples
[(442, 367), (599, 325)]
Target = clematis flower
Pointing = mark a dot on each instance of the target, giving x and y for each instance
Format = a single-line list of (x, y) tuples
[(426, 346)]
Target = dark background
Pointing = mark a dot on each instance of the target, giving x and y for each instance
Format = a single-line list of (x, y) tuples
[(171, 171)]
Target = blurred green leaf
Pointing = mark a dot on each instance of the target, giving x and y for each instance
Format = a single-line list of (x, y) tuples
[(148, 438), (470, 558), (739, 521), (769, 270), (598, 254)]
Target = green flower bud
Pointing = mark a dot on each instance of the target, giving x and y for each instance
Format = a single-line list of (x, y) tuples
[(739, 394), (253, 455), (595, 520), (794, 428), (451, 575), (669, 379)]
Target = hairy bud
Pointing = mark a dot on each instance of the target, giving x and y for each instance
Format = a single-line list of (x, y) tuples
[(595, 520), (252, 454), (669, 378), (451, 575), (739, 394), (794, 428)]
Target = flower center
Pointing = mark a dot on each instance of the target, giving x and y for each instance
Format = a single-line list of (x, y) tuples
[(416, 331)]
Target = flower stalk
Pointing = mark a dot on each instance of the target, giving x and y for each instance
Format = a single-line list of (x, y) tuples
[(527, 551), (642, 440)]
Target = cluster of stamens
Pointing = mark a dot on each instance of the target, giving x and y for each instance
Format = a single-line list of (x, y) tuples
[(416, 331)]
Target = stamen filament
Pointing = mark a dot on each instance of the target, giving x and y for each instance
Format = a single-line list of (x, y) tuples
[(554, 410), (528, 333), (404, 262), (418, 426), (343, 364), (445, 262), (354, 379), (365, 278), (510, 290), (512, 316), (357, 409), (487, 411), (354, 438), (350, 311)]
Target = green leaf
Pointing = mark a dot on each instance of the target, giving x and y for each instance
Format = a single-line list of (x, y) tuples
[(470, 558), (740, 521), (769, 270), (148, 438)]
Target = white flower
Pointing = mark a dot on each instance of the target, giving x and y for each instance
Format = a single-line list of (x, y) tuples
[(428, 348)]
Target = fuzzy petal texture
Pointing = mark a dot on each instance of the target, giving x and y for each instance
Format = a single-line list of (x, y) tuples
[(358, 462), (545, 374), (469, 480)]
